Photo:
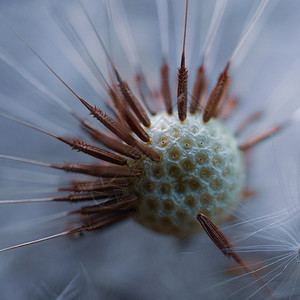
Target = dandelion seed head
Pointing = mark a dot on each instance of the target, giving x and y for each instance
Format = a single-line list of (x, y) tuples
[(201, 170), (128, 260)]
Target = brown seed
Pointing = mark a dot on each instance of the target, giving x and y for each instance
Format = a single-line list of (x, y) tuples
[(165, 87), (216, 96), (198, 91), (258, 138)]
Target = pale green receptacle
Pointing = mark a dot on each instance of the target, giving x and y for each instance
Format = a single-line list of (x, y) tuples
[(201, 170)]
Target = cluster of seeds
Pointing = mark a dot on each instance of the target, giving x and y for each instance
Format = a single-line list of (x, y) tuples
[(170, 171), (200, 170)]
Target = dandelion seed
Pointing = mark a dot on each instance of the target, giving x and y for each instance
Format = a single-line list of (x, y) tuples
[(161, 167)]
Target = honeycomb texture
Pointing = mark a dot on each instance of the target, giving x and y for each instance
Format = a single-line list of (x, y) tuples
[(201, 170)]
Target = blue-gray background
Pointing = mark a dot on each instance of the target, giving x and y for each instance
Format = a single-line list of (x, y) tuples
[(127, 261)]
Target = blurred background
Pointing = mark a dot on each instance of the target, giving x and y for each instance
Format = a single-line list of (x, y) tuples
[(127, 261)]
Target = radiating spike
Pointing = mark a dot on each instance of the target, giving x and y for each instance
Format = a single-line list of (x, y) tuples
[(99, 171), (260, 137), (229, 107), (97, 222), (107, 206), (165, 87), (110, 124), (149, 152), (216, 96), (182, 107), (135, 126), (126, 114), (115, 97), (222, 242), (183, 77), (198, 91), (95, 186), (253, 117), (163, 18), (144, 91), (133, 102), (94, 151), (110, 142)]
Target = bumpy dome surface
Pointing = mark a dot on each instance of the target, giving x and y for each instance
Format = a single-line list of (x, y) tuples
[(201, 170)]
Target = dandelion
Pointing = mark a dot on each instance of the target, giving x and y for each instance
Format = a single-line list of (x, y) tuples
[(163, 151)]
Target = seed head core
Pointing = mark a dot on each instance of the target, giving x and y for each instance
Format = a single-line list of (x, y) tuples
[(201, 171)]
